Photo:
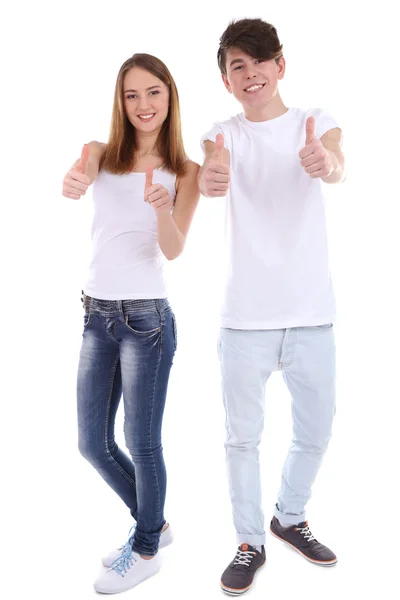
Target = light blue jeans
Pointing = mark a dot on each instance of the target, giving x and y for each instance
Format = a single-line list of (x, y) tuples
[(306, 357)]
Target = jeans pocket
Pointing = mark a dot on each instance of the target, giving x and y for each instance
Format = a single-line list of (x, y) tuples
[(86, 319), (141, 325)]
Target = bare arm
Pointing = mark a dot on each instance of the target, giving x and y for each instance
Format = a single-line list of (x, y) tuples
[(172, 228), (96, 151), (332, 140), (79, 177), (323, 158)]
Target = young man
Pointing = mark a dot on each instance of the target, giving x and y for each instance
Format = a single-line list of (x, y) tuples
[(272, 162)]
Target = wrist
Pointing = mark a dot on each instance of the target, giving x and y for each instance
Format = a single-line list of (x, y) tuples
[(334, 162), (164, 214)]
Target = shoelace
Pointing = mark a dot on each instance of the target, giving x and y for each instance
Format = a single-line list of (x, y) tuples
[(243, 558), (128, 545), (306, 533), (124, 562)]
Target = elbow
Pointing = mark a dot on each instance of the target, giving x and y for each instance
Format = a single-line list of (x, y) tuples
[(173, 255), (336, 177)]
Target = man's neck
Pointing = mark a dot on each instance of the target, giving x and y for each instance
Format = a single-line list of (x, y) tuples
[(275, 108)]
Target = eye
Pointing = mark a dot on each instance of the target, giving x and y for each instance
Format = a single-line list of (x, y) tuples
[(239, 67), (260, 60), (154, 92), (131, 96)]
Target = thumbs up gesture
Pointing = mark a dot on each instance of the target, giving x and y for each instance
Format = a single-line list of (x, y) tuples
[(77, 181), (214, 175), (156, 194), (83, 162), (219, 148), (315, 159)]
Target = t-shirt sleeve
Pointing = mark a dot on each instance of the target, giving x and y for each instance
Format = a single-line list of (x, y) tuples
[(323, 121), (212, 134)]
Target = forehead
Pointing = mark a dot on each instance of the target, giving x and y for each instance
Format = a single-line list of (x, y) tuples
[(140, 79), (237, 54)]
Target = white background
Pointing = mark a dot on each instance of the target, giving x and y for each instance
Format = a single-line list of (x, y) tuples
[(59, 65)]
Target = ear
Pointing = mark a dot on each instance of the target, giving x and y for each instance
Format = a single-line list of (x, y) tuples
[(227, 84), (281, 67)]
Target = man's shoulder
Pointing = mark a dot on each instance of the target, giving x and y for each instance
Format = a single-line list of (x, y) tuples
[(231, 124), (300, 113), (317, 113)]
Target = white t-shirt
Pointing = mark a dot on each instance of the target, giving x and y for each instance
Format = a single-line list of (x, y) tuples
[(127, 262), (278, 272)]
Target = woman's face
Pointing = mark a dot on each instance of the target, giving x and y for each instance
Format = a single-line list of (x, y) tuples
[(146, 100)]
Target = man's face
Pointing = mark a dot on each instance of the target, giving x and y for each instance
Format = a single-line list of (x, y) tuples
[(253, 81)]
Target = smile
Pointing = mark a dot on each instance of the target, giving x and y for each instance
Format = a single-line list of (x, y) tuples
[(146, 118), (254, 88)]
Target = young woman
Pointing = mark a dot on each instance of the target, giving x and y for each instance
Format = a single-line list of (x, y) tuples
[(145, 193)]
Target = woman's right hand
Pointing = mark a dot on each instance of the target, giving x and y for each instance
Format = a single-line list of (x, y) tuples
[(77, 181)]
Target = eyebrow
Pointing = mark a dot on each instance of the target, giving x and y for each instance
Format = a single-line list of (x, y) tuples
[(236, 60), (153, 87)]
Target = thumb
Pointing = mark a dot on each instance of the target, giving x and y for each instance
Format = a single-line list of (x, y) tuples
[(310, 130), (219, 148), (149, 177), (83, 163)]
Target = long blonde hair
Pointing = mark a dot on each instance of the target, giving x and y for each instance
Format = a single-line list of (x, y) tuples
[(122, 146)]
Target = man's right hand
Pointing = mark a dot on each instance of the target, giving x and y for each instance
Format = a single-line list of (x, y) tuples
[(77, 181), (214, 174)]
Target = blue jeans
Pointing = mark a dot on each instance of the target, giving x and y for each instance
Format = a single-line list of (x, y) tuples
[(306, 358), (127, 349)]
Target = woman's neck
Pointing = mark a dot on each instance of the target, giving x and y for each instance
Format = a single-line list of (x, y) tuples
[(146, 144)]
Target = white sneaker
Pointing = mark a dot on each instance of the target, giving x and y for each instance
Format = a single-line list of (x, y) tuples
[(166, 538), (126, 572)]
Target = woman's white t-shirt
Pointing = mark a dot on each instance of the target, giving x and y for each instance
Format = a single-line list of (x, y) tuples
[(127, 262)]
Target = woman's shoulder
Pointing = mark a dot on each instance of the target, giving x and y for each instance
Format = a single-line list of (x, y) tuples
[(190, 164), (99, 146), (191, 170), (188, 179)]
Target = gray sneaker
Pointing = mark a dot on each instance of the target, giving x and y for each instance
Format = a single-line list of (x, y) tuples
[(238, 576), (301, 539)]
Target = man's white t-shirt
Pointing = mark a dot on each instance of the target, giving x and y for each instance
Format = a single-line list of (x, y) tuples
[(278, 272)]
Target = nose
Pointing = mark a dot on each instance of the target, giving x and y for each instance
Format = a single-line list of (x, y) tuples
[(251, 75), (144, 104), (250, 72)]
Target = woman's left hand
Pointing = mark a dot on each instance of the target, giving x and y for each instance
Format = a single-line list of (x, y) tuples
[(157, 195)]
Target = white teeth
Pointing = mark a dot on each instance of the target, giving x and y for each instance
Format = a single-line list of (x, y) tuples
[(146, 116), (253, 88)]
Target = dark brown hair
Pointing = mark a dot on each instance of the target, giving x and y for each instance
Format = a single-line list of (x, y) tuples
[(255, 37), (121, 149)]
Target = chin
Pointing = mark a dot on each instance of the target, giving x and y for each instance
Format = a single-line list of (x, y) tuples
[(147, 128)]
